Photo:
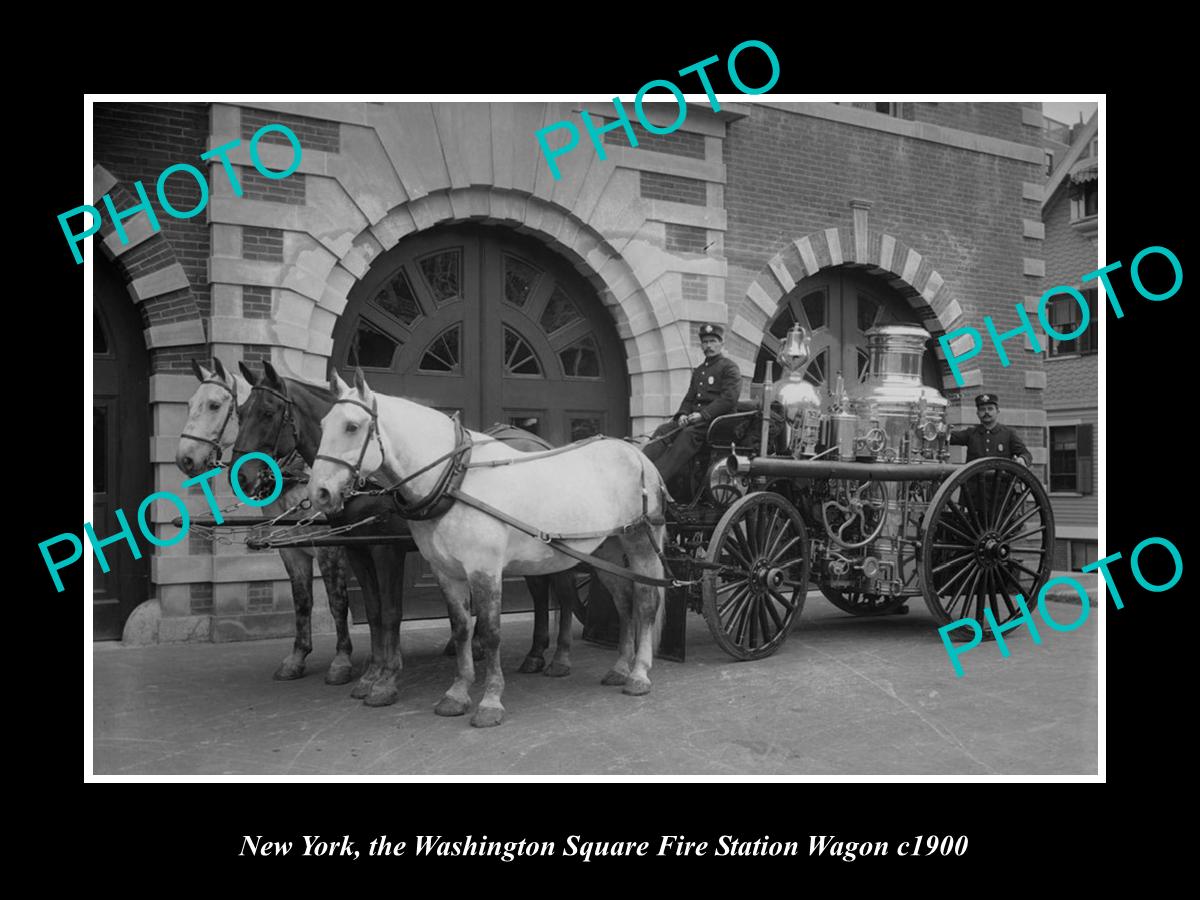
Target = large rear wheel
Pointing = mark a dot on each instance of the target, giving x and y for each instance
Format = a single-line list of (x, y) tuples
[(752, 601), (987, 536)]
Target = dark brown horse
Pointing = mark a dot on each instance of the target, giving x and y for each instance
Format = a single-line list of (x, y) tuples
[(282, 418), (210, 430)]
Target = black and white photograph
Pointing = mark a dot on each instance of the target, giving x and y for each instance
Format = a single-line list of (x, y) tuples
[(736, 436)]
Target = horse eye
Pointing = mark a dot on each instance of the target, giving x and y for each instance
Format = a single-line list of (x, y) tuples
[(351, 428), (214, 406)]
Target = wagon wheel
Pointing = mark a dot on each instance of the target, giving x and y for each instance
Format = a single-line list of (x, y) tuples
[(987, 536), (859, 604), (751, 602)]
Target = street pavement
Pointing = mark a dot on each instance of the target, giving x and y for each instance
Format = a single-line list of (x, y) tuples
[(843, 696)]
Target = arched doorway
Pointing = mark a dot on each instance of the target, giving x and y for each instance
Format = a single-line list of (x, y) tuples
[(494, 325), (838, 306), (120, 446)]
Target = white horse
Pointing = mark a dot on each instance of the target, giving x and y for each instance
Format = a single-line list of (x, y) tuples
[(211, 429), (594, 489)]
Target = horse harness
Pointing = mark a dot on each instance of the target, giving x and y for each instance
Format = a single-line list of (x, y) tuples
[(288, 418), (448, 489), (228, 415)]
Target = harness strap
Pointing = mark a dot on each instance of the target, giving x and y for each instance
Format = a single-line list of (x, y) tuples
[(529, 457), (557, 541)]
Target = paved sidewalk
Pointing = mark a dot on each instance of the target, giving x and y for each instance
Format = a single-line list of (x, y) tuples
[(842, 696)]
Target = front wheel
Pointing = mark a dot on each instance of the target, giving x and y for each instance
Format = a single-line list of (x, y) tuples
[(754, 598)]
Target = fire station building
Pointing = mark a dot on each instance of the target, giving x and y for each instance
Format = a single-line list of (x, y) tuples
[(429, 243)]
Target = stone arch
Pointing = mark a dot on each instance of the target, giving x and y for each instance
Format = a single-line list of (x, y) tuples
[(883, 255), (640, 323), (152, 272)]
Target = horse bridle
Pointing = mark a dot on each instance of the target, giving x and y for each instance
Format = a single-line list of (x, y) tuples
[(288, 418), (356, 476), (228, 414), (436, 501)]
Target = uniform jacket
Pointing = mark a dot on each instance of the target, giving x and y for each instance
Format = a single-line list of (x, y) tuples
[(1001, 441), (714, 391)]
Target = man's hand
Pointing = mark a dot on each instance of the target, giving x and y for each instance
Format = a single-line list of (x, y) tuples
[(694, 417), (1021, 460), (682, 420)]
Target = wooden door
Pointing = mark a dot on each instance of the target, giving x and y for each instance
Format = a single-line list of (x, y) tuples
[(120, 449), (497, 327)]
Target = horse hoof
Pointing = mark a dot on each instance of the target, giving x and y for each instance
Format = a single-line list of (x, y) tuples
[(364, 686), (448, 706), (487, 716), (339, 674), (613, 677), (289, 672), (382, 695), (636, 687), (557, 670), (531, 665)]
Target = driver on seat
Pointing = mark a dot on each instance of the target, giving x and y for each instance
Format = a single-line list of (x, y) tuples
[(714, 391)]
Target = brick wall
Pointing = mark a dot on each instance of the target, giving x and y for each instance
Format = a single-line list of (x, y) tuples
[(657, 186), (1002, 120), (136, 141), (677, 143), (790, 175), (262, 243), (273, 190), (313, 134), (256, 302)]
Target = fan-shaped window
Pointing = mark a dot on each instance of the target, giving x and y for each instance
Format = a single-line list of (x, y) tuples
[(559, 313), (868, 311), (398, 300), (443, 273), (371, 347), (814, 309), (519, 279), (443, 355), (864, 364), (581, 359), (519, 358), (99, 338)]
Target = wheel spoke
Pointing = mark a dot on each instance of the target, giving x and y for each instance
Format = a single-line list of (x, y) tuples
[(731, 585), (734, 548), (743, 541), (1021, 521), (775, 537), (958, 510), (752, 523), (970, 539), (1036, 577), (1000, 510), (783, 601), (784, 549), (970, 547), (731, 602), (1007, 523), (764, 627), (970, 594), (945, 588), (1014, 538), (957, 559)]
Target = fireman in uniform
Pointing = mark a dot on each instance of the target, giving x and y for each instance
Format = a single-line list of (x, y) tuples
[(714, 391), (989, 437)]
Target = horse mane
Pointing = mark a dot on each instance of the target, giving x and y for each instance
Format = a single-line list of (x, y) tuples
[(322, 393)]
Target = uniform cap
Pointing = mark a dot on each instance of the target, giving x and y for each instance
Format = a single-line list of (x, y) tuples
[(710, 330), (986, 398)]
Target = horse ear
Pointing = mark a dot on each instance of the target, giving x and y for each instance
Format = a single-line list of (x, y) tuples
[(246, 373), (199, 372), (339, 387), (360, 382), (220, 369), (272, 375)]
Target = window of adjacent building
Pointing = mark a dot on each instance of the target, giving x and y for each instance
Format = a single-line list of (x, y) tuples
[(1064, 314), (1049, 162), (1084, 200), (1071, 459)]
